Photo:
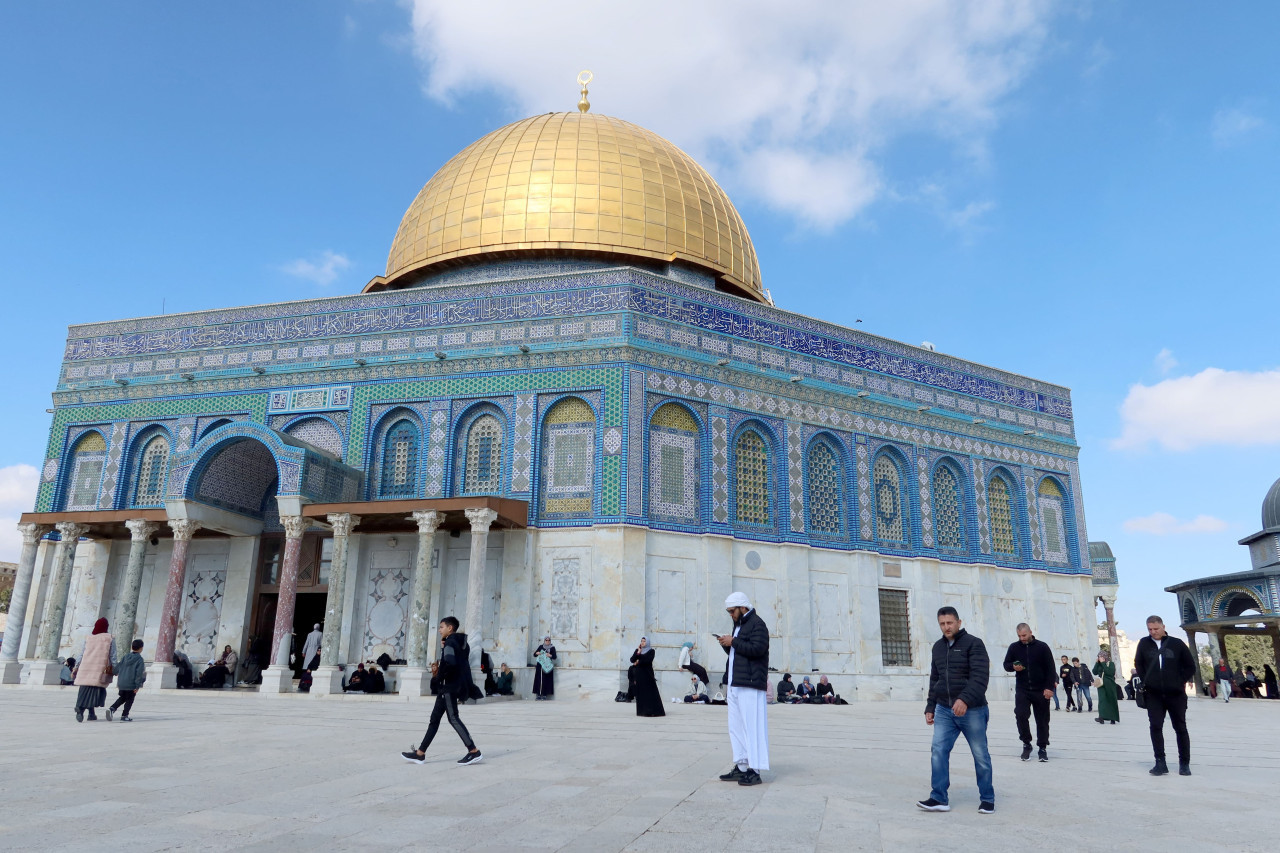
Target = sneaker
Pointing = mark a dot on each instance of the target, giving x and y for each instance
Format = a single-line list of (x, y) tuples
[(751, 777), (471, 758), (1026, 752), (986, 808), (126, 719), (1184, 768), (1160, 768), (79, 716), (414, 757), (1043, 755), (932, 805), (110, 712), (733, 775)]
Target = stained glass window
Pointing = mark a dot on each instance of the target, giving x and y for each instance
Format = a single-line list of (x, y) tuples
[(1052, 521), (152, 467), (484, 457), (673, 464), (1000, 510), (568, 459), (888, 497), (751, 459), (895, 628), (948, 521), (824, 498), (88, 458), (400, 461)]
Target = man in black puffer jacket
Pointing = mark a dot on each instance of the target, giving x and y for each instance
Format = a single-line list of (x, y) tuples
[(957, 705), (1032, 661), (451, 682), (1165, 665), (748, 675)]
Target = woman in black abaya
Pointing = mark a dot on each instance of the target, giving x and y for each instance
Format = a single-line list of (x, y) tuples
[(648, 701)]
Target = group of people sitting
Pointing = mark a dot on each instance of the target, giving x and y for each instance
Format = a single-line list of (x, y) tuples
[(365, 678), (501, 685), (804, 693), (1228, 683)]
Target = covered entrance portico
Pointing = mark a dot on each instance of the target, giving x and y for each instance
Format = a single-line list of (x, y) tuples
[(1242, 604), (425, 520)]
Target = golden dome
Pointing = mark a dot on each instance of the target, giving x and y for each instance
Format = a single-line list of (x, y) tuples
[(573, 183)]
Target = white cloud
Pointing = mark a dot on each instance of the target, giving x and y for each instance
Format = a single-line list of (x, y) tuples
[(18, 484), (1165, 360), (324, 270), (1214, 406), (794, 103), (1233, 125), (1163, 524)]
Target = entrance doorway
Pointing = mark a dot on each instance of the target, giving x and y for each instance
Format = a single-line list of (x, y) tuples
[(308, 610)]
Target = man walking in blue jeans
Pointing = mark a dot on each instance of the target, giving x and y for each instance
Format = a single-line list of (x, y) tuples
[(957, 705)]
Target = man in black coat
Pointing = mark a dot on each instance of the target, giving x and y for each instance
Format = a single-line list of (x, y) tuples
[(1032, 662), (1165, 665), (748, 676), (957, 705)]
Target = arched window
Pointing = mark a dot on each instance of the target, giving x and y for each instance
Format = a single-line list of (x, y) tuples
[(482, 468), (400, 461), (948, 509), (1189, 615), (87, 460), (568, 459), (1051, 503), (673, 464), (825, 484), (891, 522), (1000, 511), (153, 465), (751, 464)]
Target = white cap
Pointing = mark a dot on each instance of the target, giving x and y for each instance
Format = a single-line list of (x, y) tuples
[(738, 599)]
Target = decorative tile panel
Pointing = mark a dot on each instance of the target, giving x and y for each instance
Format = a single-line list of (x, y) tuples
[(795, 476)]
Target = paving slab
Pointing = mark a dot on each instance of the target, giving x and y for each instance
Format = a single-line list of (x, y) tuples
[(215, 771)]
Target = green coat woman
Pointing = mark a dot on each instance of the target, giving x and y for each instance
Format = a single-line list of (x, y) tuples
[(1109, 692)]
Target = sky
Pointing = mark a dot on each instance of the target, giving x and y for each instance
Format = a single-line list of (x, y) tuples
[(1085, 193)]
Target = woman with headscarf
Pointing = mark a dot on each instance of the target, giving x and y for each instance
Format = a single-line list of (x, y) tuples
[(805, 693), (825, 693), (1108, 691), (544, 680), (1269, 681), (686, 662), (96, 668), (648, 700)]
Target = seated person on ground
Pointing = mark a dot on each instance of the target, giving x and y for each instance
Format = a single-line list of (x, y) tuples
[(215, 675), (697, 693), (770, 698), (355, 684), (304, 682), (373, 681), (65, 676), (824, 693), (786, 689), (805, 693), (186, 673), (504, 684), (1249, 684)]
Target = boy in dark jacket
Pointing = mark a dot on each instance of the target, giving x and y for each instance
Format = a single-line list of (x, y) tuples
[(957, 705), (133, 672), (1032, 661), (1165, 665), (450, 681)]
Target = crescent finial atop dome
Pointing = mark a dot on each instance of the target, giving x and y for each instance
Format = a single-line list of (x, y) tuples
[(584, 77)]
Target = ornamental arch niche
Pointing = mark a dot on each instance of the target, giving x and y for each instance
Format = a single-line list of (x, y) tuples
[(1189, 614), (1236, 601), (239, 474), (85, 463)]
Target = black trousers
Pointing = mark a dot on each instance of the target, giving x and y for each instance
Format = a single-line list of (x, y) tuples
[(1175, 704), (1024, 702), (126, 699), (697, 670), (446, 704)]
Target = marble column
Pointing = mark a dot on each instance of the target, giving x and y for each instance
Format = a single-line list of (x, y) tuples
[(278, 678), (328, 679), (10, 669), (183, 530), (1109, 607), (1195, 655), (481, 519), (59, 588), (140, 532), (415, 679)]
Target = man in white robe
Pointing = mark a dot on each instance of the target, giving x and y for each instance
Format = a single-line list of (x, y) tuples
[(748, 676), (312, 647)]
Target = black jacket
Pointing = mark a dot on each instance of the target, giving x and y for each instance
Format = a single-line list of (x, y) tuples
[(750, 653), (1081, 676), (1065, 675), (1165, 667), (959, 671), (1037, 658), (453, 675)]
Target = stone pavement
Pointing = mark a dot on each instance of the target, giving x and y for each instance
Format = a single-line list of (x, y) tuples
[(220, 770)]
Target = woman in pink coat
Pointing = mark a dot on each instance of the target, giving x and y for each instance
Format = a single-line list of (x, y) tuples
[(94, 672)]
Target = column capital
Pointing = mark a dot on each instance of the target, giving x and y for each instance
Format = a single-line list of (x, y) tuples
[(183, 528), (428, 520), (1108, 601), (70, 531), (481, 518), (32, 532), (140, 529), (342, 522), (294, 526)]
